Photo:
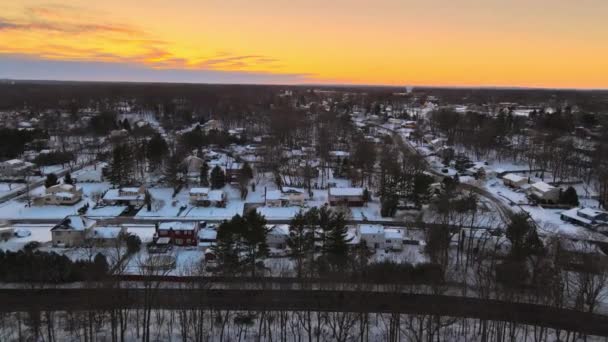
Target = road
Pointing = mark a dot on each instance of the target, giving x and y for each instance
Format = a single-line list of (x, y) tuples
[(503, 209), (32, 300)]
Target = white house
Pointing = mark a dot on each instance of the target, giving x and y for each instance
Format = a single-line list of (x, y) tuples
[(393, 239), (207, 238), (544, 192), (206, 197), (15, 167), (513, 180), (72, 231), (277, 235), (586, 217), (60, 194), (373, 235), (126, 196), (106, 236), (285, 198), (352, 197)]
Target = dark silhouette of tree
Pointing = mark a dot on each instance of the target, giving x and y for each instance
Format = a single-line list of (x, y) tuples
[(569, 197), (300, 241), (51, 179), (68, 179), (156, 151), (218, 178), (204, 177)]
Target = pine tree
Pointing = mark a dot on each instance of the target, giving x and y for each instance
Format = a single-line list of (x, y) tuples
[(204, 178), (218, 178), (121, 166), (156, 151), (68, 179), (300, 240), (254, 239), (51, 179), (337, 243), (226, 247), (172, 171)]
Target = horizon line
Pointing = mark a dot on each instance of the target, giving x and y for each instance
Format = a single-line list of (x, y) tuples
[(325, 85)]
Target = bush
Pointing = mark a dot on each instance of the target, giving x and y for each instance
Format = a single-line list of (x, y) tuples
[(133, 243)]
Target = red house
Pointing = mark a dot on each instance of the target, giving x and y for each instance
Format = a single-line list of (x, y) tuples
[(180, 233)]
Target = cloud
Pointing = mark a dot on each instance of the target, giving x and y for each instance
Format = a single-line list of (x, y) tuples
[(29, 68), (66, 33)]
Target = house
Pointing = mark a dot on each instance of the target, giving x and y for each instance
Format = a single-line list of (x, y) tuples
[(232, 172), (106, 236), (60, 194), (180, 233), (544, 192), (207, 238), (193, 166), (351, 197), (586, 217), (285, 197), (211, 125), (393, 239), (277, 236), (72, 231), (15, 167), (206, 197), (373, 235), (133, 196), (514, 181)]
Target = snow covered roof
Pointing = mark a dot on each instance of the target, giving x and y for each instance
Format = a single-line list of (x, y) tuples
[(199, 191), (75, 222), (273, 195), (278, 229), (542, 187), (106, 232), (393, 234), (590, 212), (371, 229), (207, 234), (513, 177), (573, 214), (177, 225), (339, 153), (64, 194), (346, 191), (13, 162), (114, 194), (129, 189)]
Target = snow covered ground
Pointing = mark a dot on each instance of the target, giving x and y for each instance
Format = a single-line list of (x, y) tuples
[(39, 232)]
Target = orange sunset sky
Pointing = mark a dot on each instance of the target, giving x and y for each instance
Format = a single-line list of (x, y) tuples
[(528, 43)]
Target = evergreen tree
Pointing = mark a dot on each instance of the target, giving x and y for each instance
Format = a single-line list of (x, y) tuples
[(156, 151), (300, 240), (245, 175), (148, 200), (51, 179), (569, 197), (218, 178), (204, 178), (121, 165), (172, 171), (68, 179), (254, 239), (126, 125), (337, 243), (226, 247)]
